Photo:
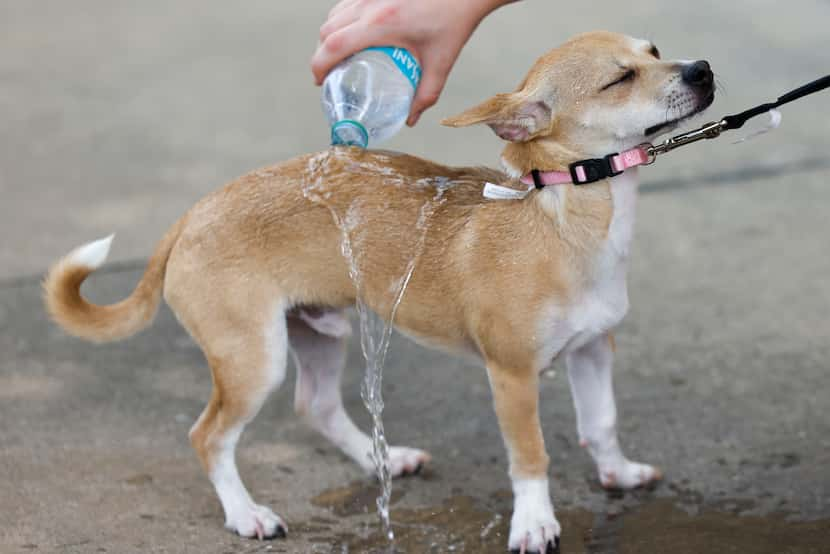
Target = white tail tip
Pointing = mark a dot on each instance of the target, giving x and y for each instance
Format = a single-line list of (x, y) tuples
[(93, 254)]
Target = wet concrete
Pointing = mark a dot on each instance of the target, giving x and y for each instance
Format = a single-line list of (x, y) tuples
[(645, 524)]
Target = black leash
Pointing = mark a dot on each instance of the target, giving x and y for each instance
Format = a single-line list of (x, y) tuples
[(714, 129), (737, 121)]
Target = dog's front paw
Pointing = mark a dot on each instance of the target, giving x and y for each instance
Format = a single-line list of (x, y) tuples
[(533, 527), (534, 533), (256, 522), (407, 461), (628, 475)]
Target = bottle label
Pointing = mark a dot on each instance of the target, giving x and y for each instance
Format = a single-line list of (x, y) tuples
[(405, 61)]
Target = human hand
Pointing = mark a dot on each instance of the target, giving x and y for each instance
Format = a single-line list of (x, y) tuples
[(434, 31)]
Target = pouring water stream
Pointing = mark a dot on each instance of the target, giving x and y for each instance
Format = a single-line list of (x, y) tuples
[(375, 330)]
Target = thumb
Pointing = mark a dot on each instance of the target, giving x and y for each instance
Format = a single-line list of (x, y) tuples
[(429, 89)]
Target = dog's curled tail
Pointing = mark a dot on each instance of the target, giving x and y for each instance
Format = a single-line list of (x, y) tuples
[(69, 309)]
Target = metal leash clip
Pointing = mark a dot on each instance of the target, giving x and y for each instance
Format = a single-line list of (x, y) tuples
[(708, 131)]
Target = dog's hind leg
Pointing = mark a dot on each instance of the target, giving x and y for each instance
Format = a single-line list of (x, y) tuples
[(318, 343), (247, 355), (589, 371)]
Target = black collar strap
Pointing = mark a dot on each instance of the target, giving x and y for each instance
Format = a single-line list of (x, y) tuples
[(537, 180)]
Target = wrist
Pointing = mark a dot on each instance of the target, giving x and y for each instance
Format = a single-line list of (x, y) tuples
[(486, 7), (476, 10)]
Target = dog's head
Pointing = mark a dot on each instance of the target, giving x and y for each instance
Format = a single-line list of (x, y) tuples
[(598, 93)]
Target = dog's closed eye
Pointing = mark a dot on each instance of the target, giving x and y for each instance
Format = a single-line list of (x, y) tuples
[(627, 76)]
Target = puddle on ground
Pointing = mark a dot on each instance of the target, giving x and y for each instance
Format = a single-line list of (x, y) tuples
[(651, 526), (353, 499)]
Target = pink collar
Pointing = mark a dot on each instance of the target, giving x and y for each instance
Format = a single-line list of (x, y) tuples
[(591, 170)]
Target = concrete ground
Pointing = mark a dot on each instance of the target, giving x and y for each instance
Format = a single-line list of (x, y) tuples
[(116, 116)]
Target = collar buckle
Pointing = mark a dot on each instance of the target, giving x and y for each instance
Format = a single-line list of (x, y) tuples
[(592, 170)]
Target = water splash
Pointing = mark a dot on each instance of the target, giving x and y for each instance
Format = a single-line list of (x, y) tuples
[(375, 330)]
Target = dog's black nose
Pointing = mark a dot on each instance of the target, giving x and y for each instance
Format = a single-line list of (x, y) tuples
[(698, 74)]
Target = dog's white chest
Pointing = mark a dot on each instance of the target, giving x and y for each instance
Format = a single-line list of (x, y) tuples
[(602, 306), (603, 302)]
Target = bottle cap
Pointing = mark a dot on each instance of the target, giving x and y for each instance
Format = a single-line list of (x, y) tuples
[(349, 132)]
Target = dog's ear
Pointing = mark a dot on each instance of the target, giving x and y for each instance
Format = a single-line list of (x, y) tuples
[(512, 116)]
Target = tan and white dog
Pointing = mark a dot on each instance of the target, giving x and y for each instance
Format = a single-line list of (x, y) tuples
[(255, 270)]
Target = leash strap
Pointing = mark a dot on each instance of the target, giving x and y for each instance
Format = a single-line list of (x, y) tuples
[(737, 121)]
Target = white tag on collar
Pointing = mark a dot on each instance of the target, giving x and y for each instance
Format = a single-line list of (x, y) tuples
[(498, 192)]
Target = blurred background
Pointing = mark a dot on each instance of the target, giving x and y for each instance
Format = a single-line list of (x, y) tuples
[(117, 116)]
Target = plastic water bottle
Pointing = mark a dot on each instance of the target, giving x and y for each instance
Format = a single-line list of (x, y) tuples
[(367, 97)]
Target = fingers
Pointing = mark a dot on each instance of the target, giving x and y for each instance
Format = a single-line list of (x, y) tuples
[(342, 6), (337, 21), (337, 46), (329, 51)]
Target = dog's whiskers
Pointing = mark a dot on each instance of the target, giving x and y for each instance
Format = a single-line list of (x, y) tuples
[(719, 84)]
